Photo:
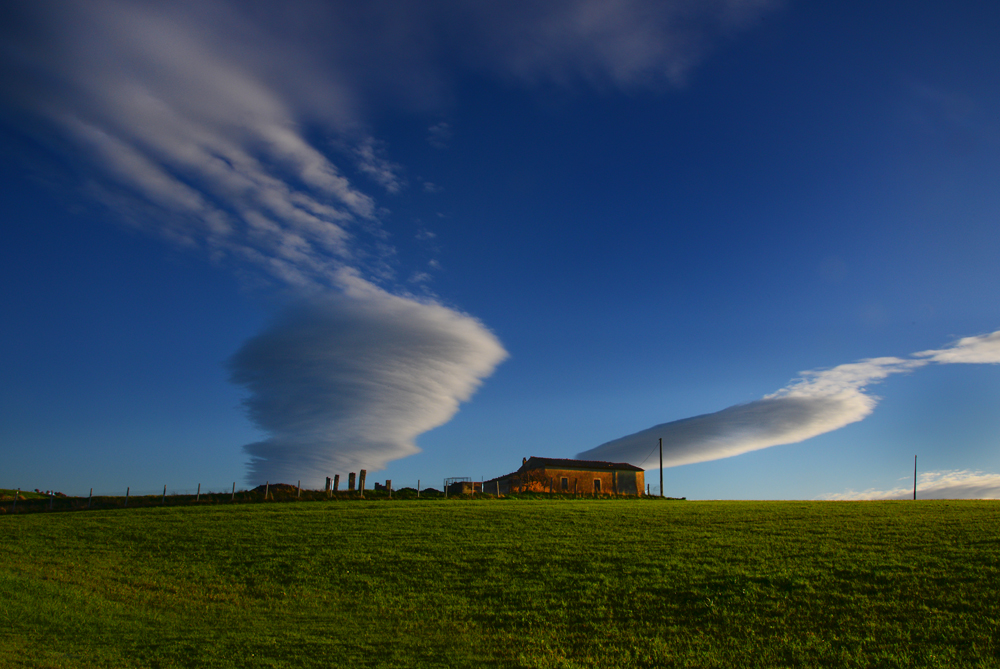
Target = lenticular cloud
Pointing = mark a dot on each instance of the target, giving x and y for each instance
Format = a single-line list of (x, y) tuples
[(816, 403), (198, 121), (348, 381)]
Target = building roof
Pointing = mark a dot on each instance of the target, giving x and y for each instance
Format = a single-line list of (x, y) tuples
[(567, 463)]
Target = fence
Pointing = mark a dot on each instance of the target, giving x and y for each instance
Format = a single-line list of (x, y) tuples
[(24, 501), (21, 501)]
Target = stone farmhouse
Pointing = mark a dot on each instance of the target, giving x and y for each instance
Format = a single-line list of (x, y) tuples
[(570, 477)]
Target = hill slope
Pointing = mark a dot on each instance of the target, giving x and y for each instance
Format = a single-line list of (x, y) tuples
[(505, 583)]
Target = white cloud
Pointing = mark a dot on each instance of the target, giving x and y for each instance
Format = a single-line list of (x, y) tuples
[(982, 349), (199, 109), (349, 380), (174, 118), (201, 121), (420, 277), (817, 402), (849, 378), (953, 484), (372, 161)]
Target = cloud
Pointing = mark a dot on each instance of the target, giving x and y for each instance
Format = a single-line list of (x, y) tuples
[(818, 402), (954, 484), (438, 135), (420, 277), (210, 123), (199, 120), (185, 129), (192, 136), (372, 161), (625, 43), (349, 380), (982, 349)]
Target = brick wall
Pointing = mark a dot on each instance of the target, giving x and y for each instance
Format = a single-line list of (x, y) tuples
[(582, 482)]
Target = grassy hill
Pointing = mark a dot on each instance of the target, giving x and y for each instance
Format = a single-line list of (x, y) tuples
[(516, 583)]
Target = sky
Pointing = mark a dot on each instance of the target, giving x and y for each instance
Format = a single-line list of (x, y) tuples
[(257, 241)]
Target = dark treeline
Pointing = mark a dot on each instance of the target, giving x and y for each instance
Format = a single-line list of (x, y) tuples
[(281, 493)]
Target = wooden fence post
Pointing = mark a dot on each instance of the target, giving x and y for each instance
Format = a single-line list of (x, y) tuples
[(350, 482), (233, 496), (498, 487), (418, 488), (361, 481), (327, 486), (336, 482), (126, 496), (388, 484), (16, 495), (90, 498), (267, 485), (198, 496), (298, 491), (164, 500)]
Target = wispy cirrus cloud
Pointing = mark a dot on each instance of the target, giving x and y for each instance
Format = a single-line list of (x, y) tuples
[(818, 402), (202, 145), (951, 484), (205, 120)]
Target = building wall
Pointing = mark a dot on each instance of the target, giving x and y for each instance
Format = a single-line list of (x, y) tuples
[(579, 482), (504, 487), (465, 487), (632, 483)]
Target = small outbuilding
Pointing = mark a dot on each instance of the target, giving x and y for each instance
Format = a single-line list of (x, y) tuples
[(560, 475)]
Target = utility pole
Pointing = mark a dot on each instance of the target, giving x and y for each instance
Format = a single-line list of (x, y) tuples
[(661, 467), (914, 477)]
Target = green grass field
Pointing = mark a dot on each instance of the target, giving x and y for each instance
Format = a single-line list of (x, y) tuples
[(505, 583)]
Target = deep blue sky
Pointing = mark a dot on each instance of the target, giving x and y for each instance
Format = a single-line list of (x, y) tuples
[(817, 186)]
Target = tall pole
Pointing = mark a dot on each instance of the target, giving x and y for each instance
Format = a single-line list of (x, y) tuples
[(914, 477), (661, 467)]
